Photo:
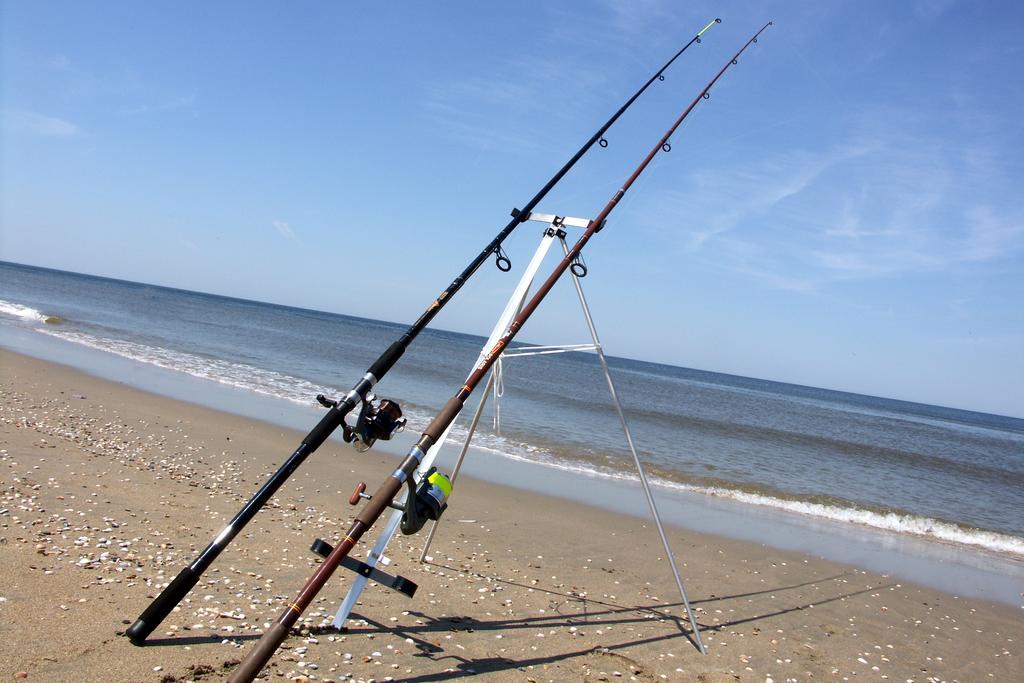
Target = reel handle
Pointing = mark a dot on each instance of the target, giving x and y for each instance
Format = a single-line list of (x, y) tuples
[(357, 494)]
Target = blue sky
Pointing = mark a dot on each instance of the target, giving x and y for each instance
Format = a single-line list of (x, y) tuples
[(844, 212)]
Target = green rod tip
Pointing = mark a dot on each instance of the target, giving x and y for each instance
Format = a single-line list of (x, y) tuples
[(710, 24)]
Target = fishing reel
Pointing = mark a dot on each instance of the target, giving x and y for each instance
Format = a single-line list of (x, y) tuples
[(377, 420), (427, 499)]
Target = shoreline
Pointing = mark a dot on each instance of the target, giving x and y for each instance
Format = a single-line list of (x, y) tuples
[(955, 567), (109, 490)]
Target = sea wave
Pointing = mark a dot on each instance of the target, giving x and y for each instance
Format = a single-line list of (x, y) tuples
[(897, 522), (268, 383), (27, 313), (300, 391), (241, 375)]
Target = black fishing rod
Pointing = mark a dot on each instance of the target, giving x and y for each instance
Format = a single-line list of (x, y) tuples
[(376, 420), (427, 497)]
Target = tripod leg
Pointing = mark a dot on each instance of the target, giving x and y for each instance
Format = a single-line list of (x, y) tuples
[(636, 460), (462, 456)]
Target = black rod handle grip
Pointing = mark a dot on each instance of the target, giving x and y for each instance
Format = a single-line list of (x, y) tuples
[(251, 666), (162, 606)]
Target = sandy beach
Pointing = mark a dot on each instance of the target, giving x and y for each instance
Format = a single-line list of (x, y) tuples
[(107, 491)]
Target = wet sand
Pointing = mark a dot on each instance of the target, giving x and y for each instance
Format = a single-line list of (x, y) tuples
[(107, 491)]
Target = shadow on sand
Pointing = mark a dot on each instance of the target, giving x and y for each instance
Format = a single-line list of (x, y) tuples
[(573, 609)]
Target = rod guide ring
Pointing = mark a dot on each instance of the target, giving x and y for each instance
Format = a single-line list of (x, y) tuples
[(578, 266), (501, 260)]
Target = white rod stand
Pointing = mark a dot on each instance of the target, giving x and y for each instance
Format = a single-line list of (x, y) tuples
[(556, 229)]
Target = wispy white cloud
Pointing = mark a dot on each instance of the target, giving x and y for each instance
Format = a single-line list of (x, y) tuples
[(990, 235), (725, 197), (512, 89), (634, 32), (924, 210), (25, 121), (932, 9), (169, 104), (482, 111), (59, 61), (874, 261), (752, 261), (638, 17), (484, 136), (884, 204), (125, 94), (284, 229)]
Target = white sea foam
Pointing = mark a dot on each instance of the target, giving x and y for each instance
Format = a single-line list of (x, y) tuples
[(299, 391), (887, 521), (26, 313), (239, 375), (914, 525)]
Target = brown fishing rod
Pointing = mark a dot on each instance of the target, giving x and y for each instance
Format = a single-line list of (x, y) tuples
[(404, 475)]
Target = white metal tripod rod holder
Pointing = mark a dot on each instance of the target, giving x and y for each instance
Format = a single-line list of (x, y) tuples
[(513, 306), (515, 302), (595, 346)]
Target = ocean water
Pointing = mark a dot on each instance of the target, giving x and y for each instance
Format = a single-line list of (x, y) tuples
[(952, 476)]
